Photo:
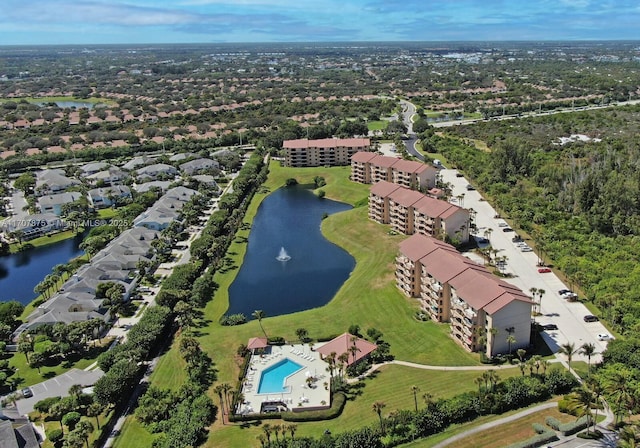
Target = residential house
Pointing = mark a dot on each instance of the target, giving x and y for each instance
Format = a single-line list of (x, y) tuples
[(328, 151), (484, 310), (53, 181), (166, 209), (156, 170), (111, 176), (198, 165), (182, 156), (137, 162), (53, 203), (108, 196), (17, 433), (76, 300), (33, 226), (369, 168), (163, 185), (94, 167)]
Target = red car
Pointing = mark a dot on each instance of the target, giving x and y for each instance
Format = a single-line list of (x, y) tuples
[(544, 270)]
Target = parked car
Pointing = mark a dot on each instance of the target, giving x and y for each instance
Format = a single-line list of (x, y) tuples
[(604, 337), (470, 187), (590, 318), (544, 270), (459, 174), (502, 224), (517, 239), (550, 327), (525, 249), (564, 291), (27, 393), (507, 229)]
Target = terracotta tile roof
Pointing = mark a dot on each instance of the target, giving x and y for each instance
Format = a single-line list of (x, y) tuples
[(411, 166), (363, 156), (406, 197), (341, 345), (383, 188), (384, 162), (418, 246), (326, 143), (435, 208)]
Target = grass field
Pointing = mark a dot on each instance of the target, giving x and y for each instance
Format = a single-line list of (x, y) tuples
[(368, 298), (499, 436), (377, 125), (44, 240)]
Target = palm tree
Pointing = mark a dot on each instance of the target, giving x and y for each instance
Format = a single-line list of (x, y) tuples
[(84, 428), (259, 314), (521, 352), (220, 391), (493, 331), (568, 349), (227, 388), (534, 292), (537, 360), (593, 384), (94, 410), (618, 387), (588, 349), (493, 378), (511, 340), (428, 399), (480, 381), (292, 430), (343, 362), (377, 408), (267, 432), (541, 292), (415, 390), (302, 334), (580, 403)]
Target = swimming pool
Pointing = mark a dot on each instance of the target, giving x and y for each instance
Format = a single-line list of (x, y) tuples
[(272, 378)]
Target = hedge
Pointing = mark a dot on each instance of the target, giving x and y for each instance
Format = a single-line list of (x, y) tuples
[(544, 436), (337, 405), (553, 423), (569, 429)]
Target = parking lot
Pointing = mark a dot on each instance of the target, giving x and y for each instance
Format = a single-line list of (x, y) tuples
[(567, 315)]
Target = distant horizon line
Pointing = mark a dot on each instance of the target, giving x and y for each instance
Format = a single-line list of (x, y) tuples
[(366, 42)]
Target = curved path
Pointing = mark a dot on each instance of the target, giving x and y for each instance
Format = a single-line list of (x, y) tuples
[(494, 423)]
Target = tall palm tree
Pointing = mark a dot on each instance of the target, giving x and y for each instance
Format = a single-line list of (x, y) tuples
[(377, 408), (618, 387), (588, 349), (259, 314), (541, 292), (227, 388), (267, 432), (415, 390), (593, 384), (493, 378), (580, 403), (511, 340), (219, 390), (568, 349)]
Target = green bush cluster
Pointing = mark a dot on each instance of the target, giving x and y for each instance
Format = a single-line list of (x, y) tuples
[(540, 439), (337, 405), (233, 319), (571, 428)]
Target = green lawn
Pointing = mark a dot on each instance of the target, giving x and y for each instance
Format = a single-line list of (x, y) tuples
[(368, 298), (170, 373), (391, 385), (44, 240), (133, 434), (377, 125)]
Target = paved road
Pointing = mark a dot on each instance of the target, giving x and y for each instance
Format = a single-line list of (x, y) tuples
[(567, 315)]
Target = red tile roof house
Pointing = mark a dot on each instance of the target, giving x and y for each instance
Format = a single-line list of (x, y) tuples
[(343, 343), (328, 151), (483, 309), (409, 211), (369, 167)]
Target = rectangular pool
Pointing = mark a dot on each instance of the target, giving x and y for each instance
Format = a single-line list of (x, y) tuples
[(273, 378)]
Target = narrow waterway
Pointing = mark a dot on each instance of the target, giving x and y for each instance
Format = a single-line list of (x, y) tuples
[(21, 272)]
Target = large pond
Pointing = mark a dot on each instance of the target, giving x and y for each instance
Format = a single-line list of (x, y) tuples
[(21, 272), (290, 218), (70, 104)]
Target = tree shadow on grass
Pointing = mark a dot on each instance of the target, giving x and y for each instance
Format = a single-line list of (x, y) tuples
[(250, 424)]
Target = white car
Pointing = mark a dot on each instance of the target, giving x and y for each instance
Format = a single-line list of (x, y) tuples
[(503, 224), (604, 337), (525, 249)]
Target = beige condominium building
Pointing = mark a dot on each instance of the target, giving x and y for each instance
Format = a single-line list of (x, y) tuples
[(369, 168), (409, 211), (485, 312), (327, 151)]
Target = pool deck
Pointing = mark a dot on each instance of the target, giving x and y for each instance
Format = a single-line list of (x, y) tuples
[(298, 396)]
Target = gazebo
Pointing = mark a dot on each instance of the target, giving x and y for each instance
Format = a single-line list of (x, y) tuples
[(256, 343)]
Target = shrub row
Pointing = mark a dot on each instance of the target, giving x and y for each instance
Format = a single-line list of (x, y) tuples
[(568, 429), (542, 438), (337, 405)]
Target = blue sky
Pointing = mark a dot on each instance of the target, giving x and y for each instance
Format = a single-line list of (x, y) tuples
[(184, 21)]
